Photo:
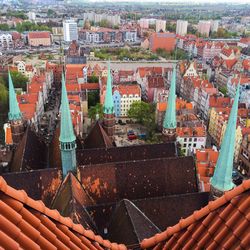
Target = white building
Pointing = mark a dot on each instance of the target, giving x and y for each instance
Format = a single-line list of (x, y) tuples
[(6, 41), (204, 27), (92, 37), (112, 19), (144, 23), (31, 15), (160, 25), (191, 139), (214, 25), (181, 27), (130, 36), (70, 31)]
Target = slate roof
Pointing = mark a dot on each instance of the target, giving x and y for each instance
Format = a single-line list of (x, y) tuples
[(25, 157), (97, 138), (29, 224), (222, 224), (129, 225), (71, 200), (38, 184), (129, 153), (139, 179)]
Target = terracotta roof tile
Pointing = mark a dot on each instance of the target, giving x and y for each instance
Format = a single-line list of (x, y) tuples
[(222, 224), (29, 224), (36, 35)]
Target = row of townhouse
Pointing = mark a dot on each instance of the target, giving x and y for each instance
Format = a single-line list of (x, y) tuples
[(32, 102), (218, 123), (107, 35)]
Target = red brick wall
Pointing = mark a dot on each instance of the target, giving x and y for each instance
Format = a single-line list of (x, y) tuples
[(165, 41)]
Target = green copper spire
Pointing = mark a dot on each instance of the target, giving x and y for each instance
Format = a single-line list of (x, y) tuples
[(108, 107), (67, 137), (14, 111), (66, 132), (222, 178), (170, 115)]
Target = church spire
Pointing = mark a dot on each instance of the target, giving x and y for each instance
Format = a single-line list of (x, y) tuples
[(67, 137), (108, 108), (14, 111), (222, 178), (169, 123)]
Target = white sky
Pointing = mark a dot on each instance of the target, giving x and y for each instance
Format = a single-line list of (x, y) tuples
[(178, 1)]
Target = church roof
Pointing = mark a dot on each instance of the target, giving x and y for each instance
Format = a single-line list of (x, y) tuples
[(38, 184), (25, 157), (222, 224), (141, 179), (128, 220), (97, 138), (29, 224), (71, 200)]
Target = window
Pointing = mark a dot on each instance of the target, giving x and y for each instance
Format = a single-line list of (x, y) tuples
[(185, 139), (194, 145), (195, 139), (184, 145), (190, 139)]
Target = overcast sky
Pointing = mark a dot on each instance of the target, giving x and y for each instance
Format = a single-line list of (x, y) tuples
[(178, 1)]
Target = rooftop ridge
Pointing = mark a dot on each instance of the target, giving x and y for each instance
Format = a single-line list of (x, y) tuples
[(197, 215), (21, 196)]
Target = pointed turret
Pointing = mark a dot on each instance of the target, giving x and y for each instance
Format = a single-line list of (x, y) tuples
[(14, 111), (108, 108), (14, 115), (169, 123), (67, 137), (222, 178)]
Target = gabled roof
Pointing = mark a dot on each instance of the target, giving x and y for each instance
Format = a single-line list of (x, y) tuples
[(71, 200), (38, 34), (97, 138), (26, 155), (222, 224), (129, 225), (29, 224)]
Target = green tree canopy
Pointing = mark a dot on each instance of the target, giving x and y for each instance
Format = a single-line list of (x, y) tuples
[(144, 113), (96, 110), (93, 98), (3, 97), (4, 27), (29, 26), (19, 80)]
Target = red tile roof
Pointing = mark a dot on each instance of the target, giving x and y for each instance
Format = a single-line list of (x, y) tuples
[(222, 224), (35, 88), (191, 131), (29, 224), (28, 98), (38, 34), (28, 110)]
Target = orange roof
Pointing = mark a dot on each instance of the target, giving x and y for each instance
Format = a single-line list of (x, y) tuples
[(222, 224), (29, 224), (72, 87), (180, 104), (38, 34), (28, 110), (246, 64), (75, 98), (74, 107), (90, 86), (8, 136), (191, 131), (35, 88), (126, 89), (207, 155), (219, 102), (243, 80), (28, 98), (230, 63), (144, 71)]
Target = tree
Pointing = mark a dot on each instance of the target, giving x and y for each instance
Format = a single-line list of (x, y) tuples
[(171, 27), (144, 113), (93, 98), (3, 98), (223, 90), (19, 80), (93, 79), (95, 111), (4, 27)]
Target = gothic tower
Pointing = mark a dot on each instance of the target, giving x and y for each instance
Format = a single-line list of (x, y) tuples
[(14, 115), (222, 178), (67, 137), (108, 108), (169, 123)]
